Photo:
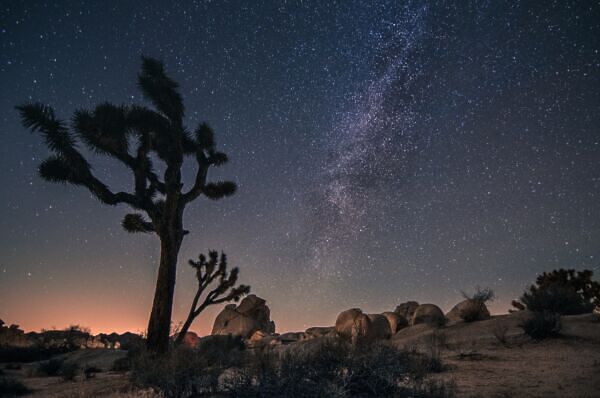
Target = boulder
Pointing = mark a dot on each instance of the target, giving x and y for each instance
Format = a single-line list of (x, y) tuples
[(191, 340), (380, 328), (352, 325), (292, 337), (430, 314), (320, 331), (220, 343), (407, 310), (396, 321), (468, 310), (244, 320), (250, 305), (258, 335), (355, 326)]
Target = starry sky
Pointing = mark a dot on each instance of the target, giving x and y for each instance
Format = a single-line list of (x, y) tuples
[(383, 151)]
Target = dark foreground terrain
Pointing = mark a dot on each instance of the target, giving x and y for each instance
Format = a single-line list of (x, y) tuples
[(491, 358)]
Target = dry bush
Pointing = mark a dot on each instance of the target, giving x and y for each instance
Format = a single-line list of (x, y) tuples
[(436, 345), (472, 312), (69, 371), (329, 368), (476, 304), (542, 325), (49, 368), (185, 371), (481, 295), (336, 369)]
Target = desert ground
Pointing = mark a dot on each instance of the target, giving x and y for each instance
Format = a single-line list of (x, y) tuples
[(491, 358)]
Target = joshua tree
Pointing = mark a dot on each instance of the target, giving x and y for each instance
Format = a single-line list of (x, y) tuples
[(207, 272), (132, 134)]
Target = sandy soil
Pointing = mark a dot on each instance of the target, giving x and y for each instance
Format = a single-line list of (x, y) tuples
[(482, 366)]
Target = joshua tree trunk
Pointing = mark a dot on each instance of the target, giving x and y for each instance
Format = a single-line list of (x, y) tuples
[(190, 318), (160, 317)]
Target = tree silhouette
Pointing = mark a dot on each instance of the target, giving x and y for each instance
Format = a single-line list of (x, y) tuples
[(562, 291), (207, 272), (133, 135)]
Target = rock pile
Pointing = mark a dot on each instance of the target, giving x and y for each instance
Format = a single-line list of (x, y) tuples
[(251, 316)]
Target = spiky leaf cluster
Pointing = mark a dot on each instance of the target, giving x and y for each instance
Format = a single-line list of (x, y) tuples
[(214, 269), (132, 134)]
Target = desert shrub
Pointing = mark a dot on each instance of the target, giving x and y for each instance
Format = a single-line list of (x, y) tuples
[(121, 365), (50, 368), (176, 374), (69, 371), (29, 354), (542, 325), (565, 292), (475, 307), (10, 387), (224, 351), (500, 331), (90, 371), (328, 368), (436, 343), (333, 368), (481, 295), (435, 389), (472, 311)]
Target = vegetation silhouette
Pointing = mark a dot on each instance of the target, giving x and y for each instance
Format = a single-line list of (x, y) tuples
[(135, 135), (565, 292), (213, 269)]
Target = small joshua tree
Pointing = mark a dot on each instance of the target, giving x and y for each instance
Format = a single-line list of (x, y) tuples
[(213, 269), (135, 136)]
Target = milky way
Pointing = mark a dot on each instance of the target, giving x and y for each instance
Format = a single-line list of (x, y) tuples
[(370, 147)]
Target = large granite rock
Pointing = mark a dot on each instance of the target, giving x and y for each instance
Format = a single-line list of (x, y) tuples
[(407, 310), (430, 314), (320, 331), (355, 326), (250, 316), (396, 321), (380, 328)]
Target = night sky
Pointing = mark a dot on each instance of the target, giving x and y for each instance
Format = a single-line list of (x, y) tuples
[(383, 151)]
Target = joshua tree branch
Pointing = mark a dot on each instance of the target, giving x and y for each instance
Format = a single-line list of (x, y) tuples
[(200, 180), (206, 273)]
